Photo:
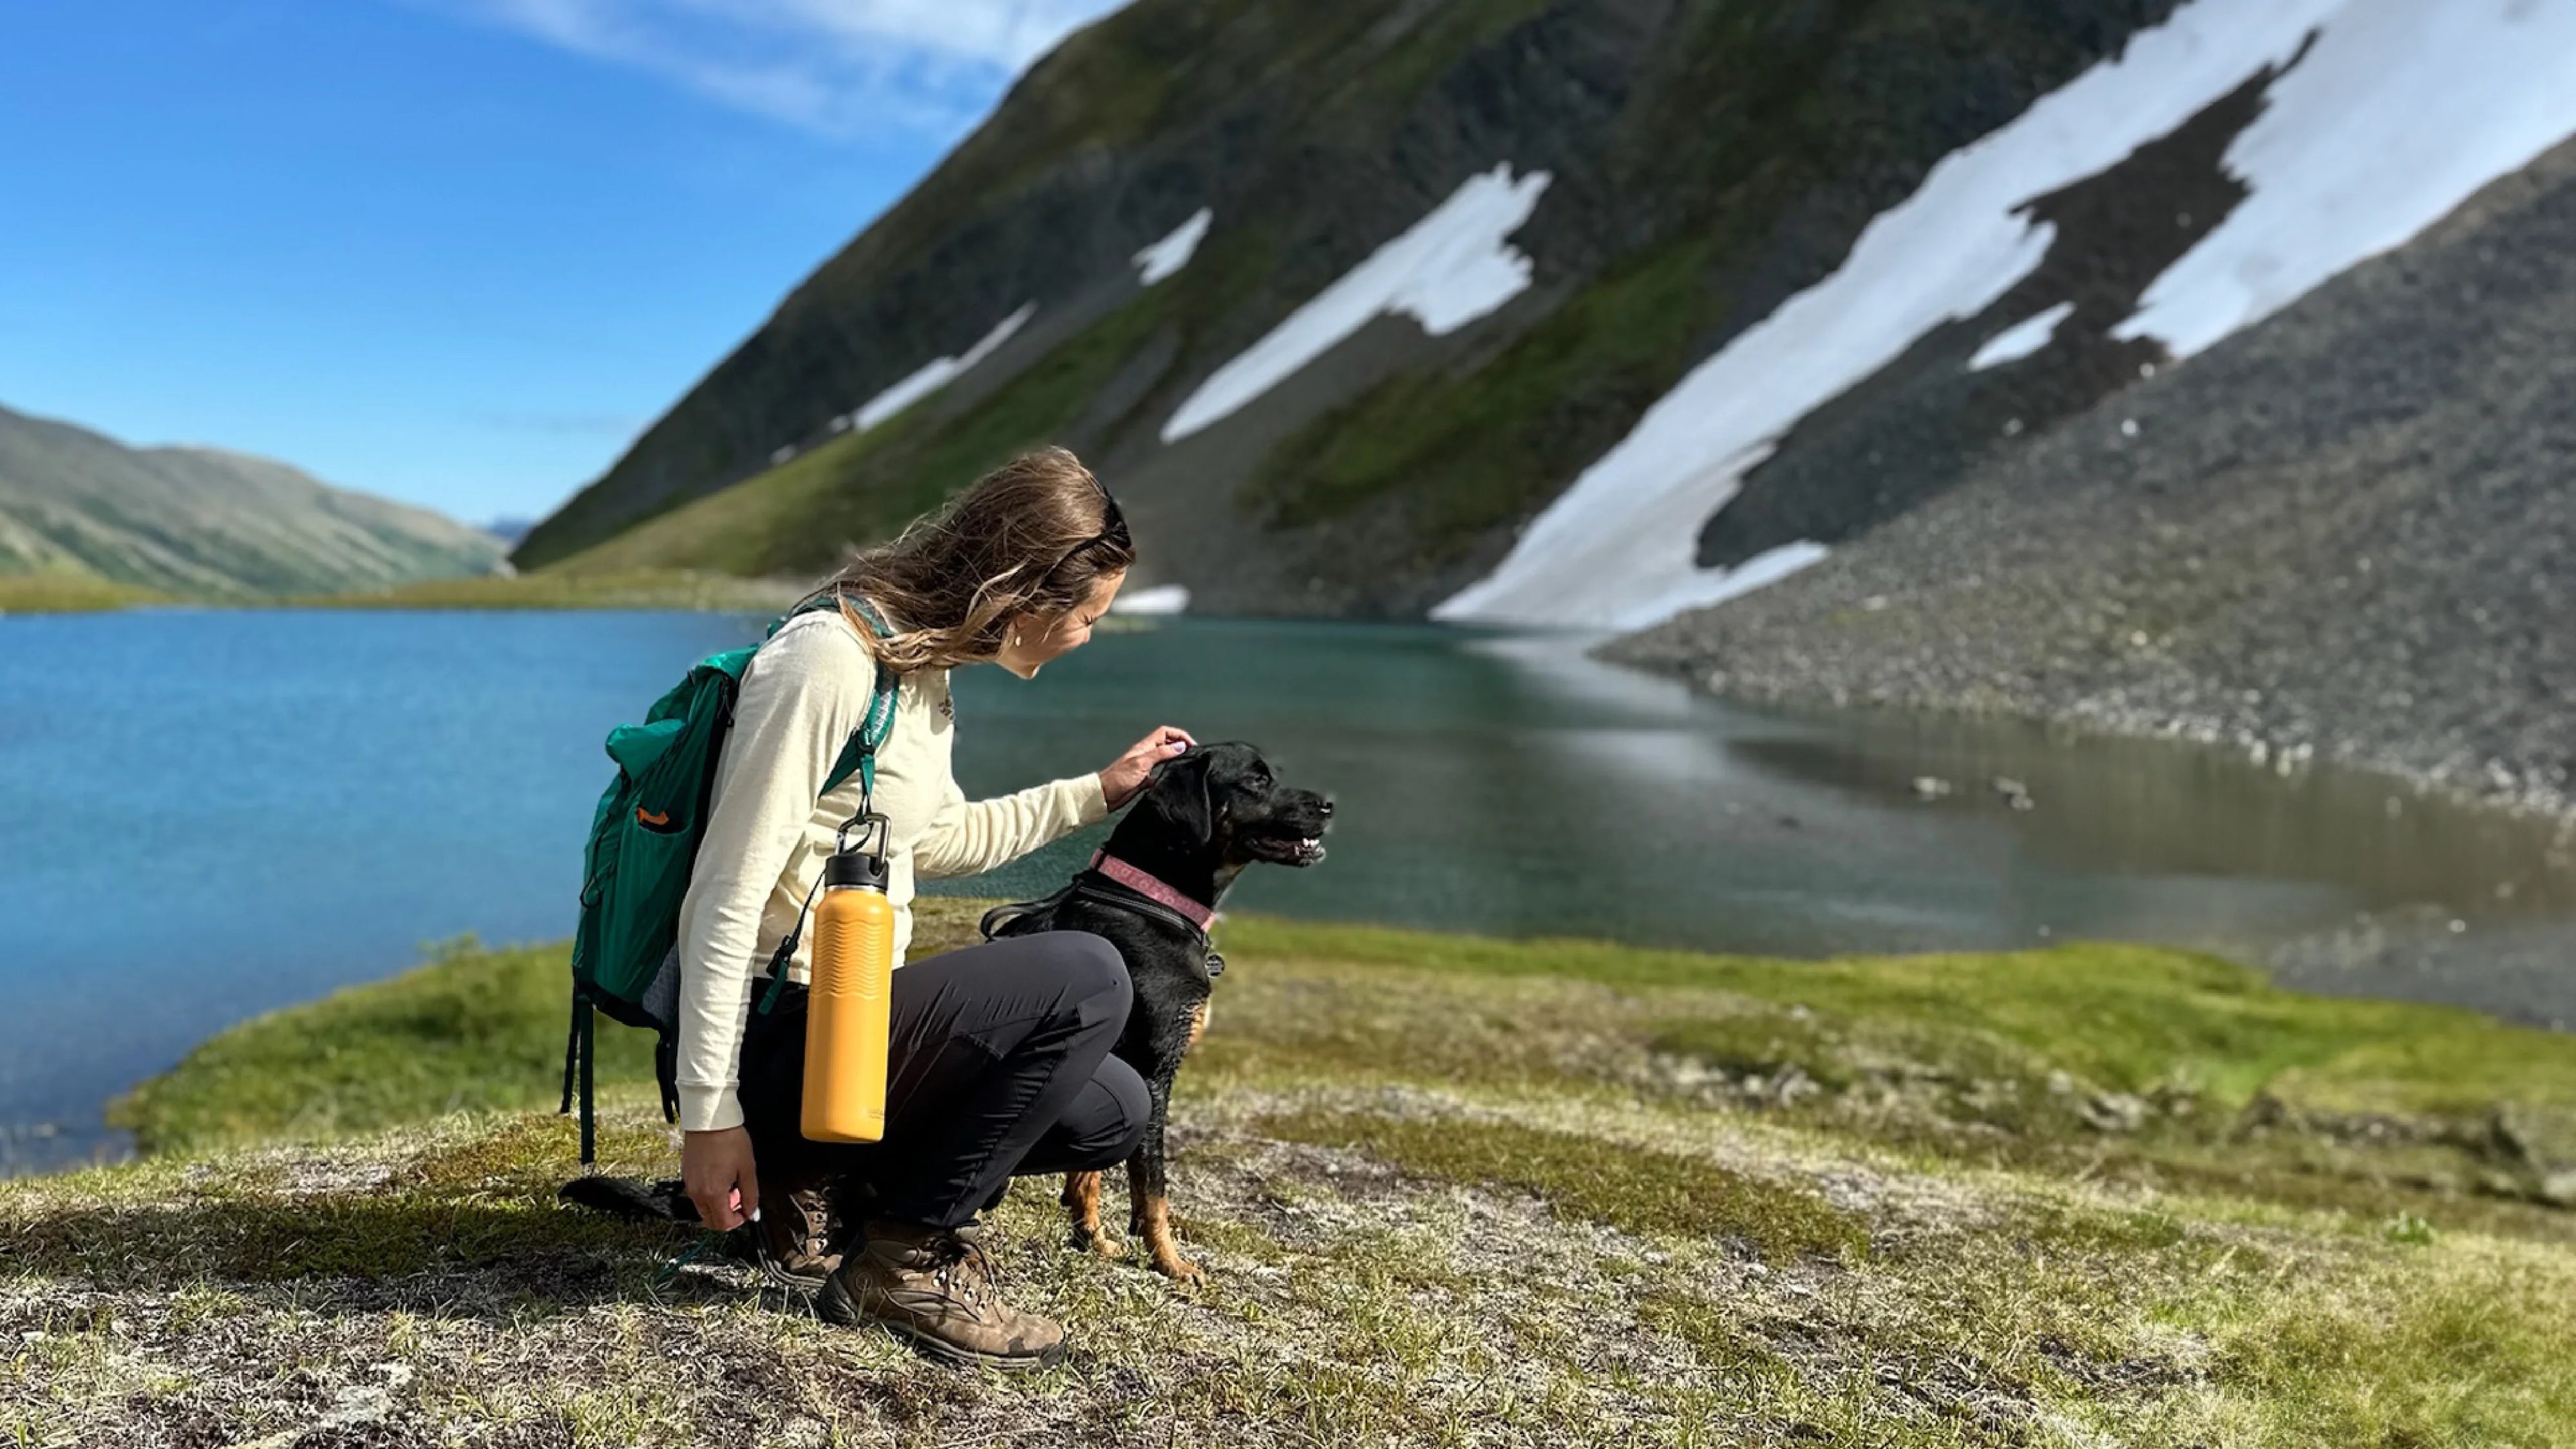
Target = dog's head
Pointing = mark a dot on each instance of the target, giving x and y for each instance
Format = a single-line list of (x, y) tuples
[(1226, 800)]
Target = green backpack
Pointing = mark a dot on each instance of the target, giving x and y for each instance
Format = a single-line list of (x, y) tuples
[(635, 870)]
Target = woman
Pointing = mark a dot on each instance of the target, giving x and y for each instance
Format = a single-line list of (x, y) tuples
[(998, 1062)]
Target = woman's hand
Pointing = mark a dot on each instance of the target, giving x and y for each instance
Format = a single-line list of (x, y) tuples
[(1126, 774), (716, 1169)]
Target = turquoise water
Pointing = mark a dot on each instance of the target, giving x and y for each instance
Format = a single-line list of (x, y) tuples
[(212, 813)]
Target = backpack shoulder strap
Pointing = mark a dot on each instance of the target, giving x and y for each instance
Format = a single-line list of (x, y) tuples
[(858, 756)]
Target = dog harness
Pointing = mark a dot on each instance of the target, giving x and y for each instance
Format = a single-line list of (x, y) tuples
[(1145, 894)]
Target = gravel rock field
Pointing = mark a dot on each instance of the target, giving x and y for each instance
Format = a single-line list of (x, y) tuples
[(2343, 534)]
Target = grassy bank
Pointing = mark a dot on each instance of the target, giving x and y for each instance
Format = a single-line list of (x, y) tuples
[(1450, 1191), (640, 588), (68, 594), (615, 589)]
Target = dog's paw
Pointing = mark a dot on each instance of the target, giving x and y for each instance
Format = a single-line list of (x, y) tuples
[(1179, 1269), (1098, 1245)]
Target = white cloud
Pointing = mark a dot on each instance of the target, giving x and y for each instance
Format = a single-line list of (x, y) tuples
[(840, 67)]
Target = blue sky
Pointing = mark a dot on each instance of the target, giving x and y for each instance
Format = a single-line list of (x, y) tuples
[(452, 251)]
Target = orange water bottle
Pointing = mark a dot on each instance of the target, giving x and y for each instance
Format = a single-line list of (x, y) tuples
[(846, 1000)]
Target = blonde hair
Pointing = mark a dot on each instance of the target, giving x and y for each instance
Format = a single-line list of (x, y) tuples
[(1036, 535)]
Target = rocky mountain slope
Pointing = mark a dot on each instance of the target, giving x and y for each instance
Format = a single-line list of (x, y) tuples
[(2216, 169), (202, 522), (2348, 533), (1575, 311), (1335, 294)]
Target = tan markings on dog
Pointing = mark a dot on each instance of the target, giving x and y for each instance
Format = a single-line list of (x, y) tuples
[(1152, 1221), (1082, 1199), (1198, 1025)]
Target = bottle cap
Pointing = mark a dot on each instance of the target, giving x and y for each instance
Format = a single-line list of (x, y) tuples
[(855, 868)]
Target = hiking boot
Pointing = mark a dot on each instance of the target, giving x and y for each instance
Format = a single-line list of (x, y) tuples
[(935, 1287), (800, 1237)]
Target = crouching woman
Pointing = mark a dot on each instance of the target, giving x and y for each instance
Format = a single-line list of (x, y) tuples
[(998, 1062)]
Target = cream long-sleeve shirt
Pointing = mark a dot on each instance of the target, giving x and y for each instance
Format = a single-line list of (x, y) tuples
[(767, 834)]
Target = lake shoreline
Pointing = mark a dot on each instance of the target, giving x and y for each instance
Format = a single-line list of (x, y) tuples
[(1789, 673)]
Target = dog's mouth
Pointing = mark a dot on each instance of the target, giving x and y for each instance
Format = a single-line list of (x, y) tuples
[(1286, 849)]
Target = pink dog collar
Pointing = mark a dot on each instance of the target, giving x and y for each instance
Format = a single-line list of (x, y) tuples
[(1151, 887)]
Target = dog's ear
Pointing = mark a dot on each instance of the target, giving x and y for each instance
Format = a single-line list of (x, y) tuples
[(1178, 791)]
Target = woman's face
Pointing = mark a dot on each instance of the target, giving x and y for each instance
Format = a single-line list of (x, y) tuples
[(1040, 637)]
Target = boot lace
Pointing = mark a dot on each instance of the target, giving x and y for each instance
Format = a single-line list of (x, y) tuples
[(964, 1271)]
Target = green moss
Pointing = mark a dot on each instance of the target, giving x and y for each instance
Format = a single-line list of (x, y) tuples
[(2458, 1066), (1219, 1233), (1633, 1189), (523, 1155), (1765, 1043), (2099, 1230), (1715, 1332), (2356, 1188), (473, 1030), (1982, 1058), (480, 1199), (2115, 1017), (2450, 1359)]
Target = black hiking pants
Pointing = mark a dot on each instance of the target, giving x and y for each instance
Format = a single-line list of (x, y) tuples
[(997, 1065)]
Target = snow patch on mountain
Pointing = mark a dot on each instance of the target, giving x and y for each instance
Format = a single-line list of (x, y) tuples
[(1158, 600), (1616, 548), (1165, 257), (933, 376), (1447, 270), (2402, 109), (2021, 339)]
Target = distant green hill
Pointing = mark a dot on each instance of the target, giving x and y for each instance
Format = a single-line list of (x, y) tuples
[(202, 522)]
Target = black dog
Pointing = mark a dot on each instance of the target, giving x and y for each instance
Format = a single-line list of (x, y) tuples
[(1205, 815)]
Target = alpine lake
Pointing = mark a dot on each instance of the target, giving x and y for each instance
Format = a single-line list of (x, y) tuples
[(212, 813)]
